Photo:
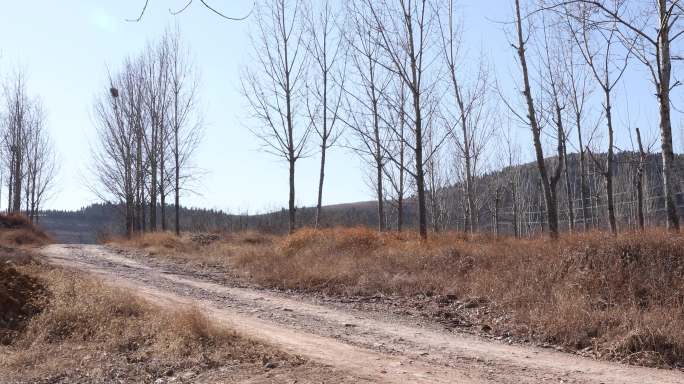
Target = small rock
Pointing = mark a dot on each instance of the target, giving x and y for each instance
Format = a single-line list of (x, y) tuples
[(271, 365), (485, 328)]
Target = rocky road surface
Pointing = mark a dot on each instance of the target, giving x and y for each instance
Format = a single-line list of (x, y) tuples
[(369, 346)]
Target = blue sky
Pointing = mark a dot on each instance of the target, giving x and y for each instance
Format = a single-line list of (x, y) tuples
[(65, 48)]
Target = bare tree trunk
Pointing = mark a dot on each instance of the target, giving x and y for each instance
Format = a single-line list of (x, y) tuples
[(10, 184), (176, 171), (497, 199), (584, 187), (153, 177), (470, 206), (608, 172), (324, 45), (640, 182), (16, 204), (551, 208), (568, 190), (400, 198), (380, 197), (665, 66), (321, 177), (291, 201), (514, 198), (162, 170), (378, 156), (420, 175)]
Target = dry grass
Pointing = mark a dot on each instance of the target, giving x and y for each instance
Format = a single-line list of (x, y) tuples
[(200, 250), (15, 230), (621, 295), (86, 328)]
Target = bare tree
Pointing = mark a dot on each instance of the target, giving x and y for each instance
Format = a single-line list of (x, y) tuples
[(470, 112), (147, 131), (405, 34), (395, 171), (204, 3), (598, 48), (579, 91), (649, 29), (186, 126), (325, 44), (273, 89), (27, 152), (553, 83), (114, 156), (40, 163), (365, 86), (15, 137), (532, 119), (639, 178)]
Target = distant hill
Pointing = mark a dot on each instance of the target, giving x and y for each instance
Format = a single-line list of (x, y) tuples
[(445, 205)]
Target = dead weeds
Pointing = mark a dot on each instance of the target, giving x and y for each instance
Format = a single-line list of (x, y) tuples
[(620, 297), (86, 330)]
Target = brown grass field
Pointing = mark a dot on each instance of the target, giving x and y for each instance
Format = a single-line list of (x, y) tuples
[(59, 326), (621, 295)]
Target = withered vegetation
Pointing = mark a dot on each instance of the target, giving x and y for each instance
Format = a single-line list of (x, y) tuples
[(620, 296)]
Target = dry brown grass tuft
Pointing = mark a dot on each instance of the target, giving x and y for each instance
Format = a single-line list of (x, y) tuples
[(15, 230), (156, 242), (200, 250), (88, 326)]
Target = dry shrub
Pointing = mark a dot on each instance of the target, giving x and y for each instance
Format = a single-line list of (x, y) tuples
[(16, 230), (154, 242), (199, 249), (249, 237), (623, 295)]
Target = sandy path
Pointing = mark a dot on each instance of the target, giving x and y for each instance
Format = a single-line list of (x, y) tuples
[(371, 347)]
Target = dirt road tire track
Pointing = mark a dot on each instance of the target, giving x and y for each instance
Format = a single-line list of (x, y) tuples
[(370, 347)]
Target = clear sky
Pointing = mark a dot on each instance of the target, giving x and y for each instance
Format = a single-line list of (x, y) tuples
[(65, 48)]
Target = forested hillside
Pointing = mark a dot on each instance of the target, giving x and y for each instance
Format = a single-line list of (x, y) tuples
[(510, 196)]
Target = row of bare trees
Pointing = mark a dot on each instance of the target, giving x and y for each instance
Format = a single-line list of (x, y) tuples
[(607, 36), (27, 157), (148, 129), (425, 116), (388, 73)]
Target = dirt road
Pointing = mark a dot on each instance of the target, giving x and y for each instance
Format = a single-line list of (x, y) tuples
[(370, 347)]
